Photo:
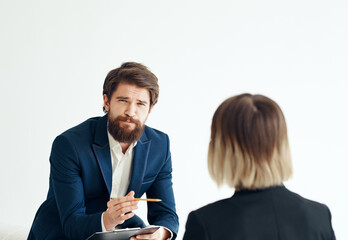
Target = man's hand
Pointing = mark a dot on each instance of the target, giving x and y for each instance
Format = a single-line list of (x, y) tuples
[(119, 210), (160, 234)]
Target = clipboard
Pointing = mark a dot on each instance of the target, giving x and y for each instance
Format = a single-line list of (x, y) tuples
[(122, 234)]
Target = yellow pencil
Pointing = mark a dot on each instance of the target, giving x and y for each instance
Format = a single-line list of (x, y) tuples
[(148, 199)]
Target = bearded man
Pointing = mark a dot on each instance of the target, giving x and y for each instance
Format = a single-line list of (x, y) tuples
[(99, 166)]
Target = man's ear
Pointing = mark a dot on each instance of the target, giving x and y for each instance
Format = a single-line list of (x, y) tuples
[(150, 109), (106, 102)]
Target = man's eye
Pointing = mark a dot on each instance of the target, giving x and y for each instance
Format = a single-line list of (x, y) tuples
[(122, 100), (140, 103)]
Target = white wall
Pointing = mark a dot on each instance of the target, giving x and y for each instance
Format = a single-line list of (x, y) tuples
[(55, 55)]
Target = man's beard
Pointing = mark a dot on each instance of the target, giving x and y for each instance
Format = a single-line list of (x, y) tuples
[(125, 135)]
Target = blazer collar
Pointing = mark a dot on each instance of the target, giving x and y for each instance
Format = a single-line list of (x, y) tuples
[(259, 190), (101, 132), (102, 151), (141, 153)]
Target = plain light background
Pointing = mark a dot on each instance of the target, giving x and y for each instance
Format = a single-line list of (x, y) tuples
[(54, 56)]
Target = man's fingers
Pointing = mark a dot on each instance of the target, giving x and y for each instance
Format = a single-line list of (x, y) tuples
[(125, 210), (120, 209), (122, 199), (148, 236), (116, 211), (155, 235), (122, 202), (130, 194), (127, 216), (128, 198), (119, 219)]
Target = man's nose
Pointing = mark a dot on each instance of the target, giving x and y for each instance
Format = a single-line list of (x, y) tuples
[(131, 110)]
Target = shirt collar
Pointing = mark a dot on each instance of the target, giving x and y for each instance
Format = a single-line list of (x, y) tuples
[(114, 143)]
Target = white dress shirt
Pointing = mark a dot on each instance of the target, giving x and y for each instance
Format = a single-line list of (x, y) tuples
[(121, 169)]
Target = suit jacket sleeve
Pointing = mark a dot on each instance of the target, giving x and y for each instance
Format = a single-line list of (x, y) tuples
[(69, 191), (195, 229), (333, 237), (163, 213)]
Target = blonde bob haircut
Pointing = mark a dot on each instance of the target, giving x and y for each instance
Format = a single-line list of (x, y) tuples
[(249, 146)]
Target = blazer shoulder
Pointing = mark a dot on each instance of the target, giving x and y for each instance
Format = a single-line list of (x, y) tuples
[(155, 134), (217, 207), (290, 203), (81, 133), (91, 122), (305, 202)]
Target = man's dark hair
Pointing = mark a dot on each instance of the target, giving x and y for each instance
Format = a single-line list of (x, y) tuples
[(135, 74)]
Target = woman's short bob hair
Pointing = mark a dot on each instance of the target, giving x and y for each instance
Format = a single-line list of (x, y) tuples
[(249, 146)]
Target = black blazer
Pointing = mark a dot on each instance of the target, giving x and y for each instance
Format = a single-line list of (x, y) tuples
[(269, 214)]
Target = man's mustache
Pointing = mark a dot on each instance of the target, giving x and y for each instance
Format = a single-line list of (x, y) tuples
[(128, 119)]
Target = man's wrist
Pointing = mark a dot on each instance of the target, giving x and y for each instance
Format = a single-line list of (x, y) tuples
[(168, 233), (106, 226)]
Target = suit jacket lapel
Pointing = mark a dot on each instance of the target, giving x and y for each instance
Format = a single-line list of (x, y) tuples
[(141, 153), (101, 150)]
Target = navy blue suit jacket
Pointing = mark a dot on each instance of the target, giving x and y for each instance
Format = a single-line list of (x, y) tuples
[(267, 214), (81, 179)]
